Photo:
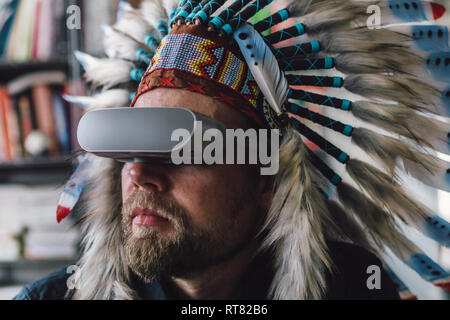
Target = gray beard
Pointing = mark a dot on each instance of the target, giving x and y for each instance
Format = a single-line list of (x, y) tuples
[(187, 249)]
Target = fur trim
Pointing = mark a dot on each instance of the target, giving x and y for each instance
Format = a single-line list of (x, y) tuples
[(294, 224), (103, 274)]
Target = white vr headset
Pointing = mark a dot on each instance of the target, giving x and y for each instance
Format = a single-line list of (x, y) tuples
[(139, 134)]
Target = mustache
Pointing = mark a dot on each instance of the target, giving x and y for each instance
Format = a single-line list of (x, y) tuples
[(168, 209)]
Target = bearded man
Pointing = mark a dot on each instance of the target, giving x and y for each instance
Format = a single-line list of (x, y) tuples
[(156, 230), (192, 231)]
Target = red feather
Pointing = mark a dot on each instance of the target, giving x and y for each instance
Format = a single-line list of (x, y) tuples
[(437, 9)]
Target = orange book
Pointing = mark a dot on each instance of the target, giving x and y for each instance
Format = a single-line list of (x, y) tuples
[(4, 100), (2, 140), (43, 106), (10, 126)]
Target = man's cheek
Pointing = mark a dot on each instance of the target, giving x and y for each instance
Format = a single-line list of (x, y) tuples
[(195, 198), (127, 185)]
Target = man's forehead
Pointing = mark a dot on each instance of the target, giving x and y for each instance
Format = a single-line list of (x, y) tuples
[(208, 106)]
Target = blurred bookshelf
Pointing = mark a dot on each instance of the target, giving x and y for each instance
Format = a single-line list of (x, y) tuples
[(37, 171), (38, 129), (9, 70), (23, 271), (36, 124)]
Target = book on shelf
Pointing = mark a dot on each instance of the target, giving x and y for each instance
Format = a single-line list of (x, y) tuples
[(33, 113), (62, 125), (13, 127), (42, 97), (26, 119), (7, 130)]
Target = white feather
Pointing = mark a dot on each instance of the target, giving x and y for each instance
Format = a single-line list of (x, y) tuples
[(107, 99), (104, 72), (82, 101), (170, 5), (153, 12), (119, 45), (263, 66), (134, 25), (84, 59)]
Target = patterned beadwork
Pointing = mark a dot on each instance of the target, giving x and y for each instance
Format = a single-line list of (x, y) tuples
[(205, 58)]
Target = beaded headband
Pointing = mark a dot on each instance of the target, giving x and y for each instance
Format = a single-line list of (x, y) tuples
[(193, 59)]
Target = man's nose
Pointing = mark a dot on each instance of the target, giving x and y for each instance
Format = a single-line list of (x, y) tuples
[(147, 177)]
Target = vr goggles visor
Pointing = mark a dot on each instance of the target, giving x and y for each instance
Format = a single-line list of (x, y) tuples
[(141, 134)]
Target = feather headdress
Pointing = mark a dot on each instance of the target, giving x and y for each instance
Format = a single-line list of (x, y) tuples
[(379, 99)]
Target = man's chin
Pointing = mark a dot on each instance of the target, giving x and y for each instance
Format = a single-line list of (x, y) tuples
[(142, 232), (145, 276), (146, 255)]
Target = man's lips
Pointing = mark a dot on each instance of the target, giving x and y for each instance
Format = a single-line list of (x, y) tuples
[(147, 217)]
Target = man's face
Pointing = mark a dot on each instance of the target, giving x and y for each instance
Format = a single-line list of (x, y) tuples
[(180, 219)]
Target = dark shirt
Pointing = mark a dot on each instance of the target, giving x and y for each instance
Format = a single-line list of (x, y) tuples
[(347, 282)]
